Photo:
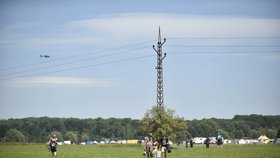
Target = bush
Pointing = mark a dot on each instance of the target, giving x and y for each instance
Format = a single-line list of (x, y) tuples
[(13, 135)]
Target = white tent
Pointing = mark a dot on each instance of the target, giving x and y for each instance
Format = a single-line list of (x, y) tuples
[(263, 139)]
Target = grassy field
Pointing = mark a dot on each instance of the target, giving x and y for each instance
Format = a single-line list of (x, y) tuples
[(135, 151)]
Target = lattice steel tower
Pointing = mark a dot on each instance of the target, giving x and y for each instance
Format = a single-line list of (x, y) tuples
[(159, 70)]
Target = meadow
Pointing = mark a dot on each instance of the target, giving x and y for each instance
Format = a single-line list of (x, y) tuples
[(135, 151)]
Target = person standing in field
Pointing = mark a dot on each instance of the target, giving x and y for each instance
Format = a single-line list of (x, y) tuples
[(207, 142), (219, 140), (146, 148), (163, 146), (53, 144), (191, 143), (150, 146)]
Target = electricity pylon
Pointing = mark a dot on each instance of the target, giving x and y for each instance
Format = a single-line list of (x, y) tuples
[(159, 68)]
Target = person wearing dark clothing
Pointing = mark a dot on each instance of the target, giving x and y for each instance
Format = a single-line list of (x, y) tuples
[(52, 144), (207, 142), (164, 146), (191, 143), (219, 140)]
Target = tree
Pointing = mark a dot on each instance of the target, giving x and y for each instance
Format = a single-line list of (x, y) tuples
[(225, 134), (163, 122), (209, 127), (13, 135), (71, 136), (38, 130), (271, 133), (85, 137)]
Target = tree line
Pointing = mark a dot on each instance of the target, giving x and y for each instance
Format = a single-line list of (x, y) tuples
[(39, 129), (240, 126)]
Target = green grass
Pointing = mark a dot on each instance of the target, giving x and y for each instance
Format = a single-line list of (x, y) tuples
[(135, 151)]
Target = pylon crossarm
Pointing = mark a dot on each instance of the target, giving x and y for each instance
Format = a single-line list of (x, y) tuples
[(164, 40), (163, 57), (155, 49)]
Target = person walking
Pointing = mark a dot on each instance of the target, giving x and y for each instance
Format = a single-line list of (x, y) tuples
[(207, 142), (53, 144), (151, 146), (164, 146)]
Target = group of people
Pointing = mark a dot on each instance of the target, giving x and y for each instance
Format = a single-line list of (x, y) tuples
[(219, 142), (153, 147)]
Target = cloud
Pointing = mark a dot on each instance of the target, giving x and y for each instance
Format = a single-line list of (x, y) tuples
[(132, 25), (61, 81), (115, 29)]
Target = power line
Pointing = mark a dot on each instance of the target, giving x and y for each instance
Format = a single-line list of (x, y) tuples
[(72, 62), (178, 38), (223, 38), (257, 46), (112, 54), (75, 56), (81, 67), (225, 52), (129, 50)]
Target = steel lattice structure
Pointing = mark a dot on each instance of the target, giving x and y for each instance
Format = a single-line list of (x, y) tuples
[(159, 68)]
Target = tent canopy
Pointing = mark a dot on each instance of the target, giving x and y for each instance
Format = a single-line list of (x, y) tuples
[(263, 137)]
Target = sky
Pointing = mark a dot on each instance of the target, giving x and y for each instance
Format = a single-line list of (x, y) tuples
[(223, 58)]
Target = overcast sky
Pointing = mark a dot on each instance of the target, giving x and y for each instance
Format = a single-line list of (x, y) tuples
[(223, 57)]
